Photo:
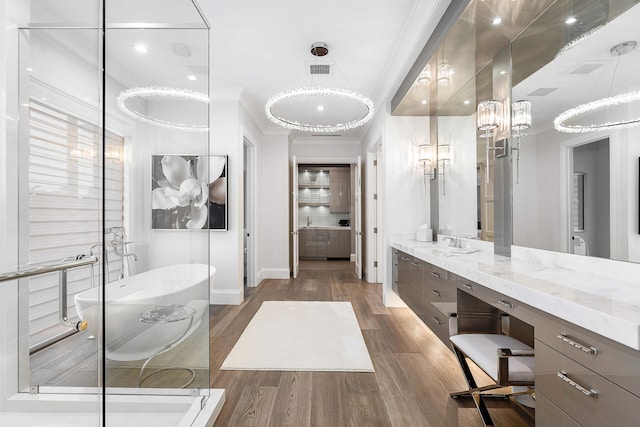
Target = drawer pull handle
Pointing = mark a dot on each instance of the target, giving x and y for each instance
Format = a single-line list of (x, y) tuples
[(588, 350), (468, 286), (505, 303), (587, 392), (438, 321), (433, 273), (436, 292), (415, 264)]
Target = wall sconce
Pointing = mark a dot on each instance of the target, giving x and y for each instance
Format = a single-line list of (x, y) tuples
[(445, 154), (488, 118), (424, 160), (520, 120)]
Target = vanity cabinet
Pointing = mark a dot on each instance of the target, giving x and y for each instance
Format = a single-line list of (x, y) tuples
[(582, 378), (429, 291), (410, 284)]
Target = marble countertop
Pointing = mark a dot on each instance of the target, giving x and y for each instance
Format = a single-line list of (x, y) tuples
[(605, 305), (327, 227)]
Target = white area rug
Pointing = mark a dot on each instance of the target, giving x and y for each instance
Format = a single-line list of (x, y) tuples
[(301, 336)]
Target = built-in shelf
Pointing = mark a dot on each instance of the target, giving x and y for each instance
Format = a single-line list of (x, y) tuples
[(313, 203), (312, 187)]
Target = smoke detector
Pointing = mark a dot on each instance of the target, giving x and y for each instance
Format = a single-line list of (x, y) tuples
[(319, 49)]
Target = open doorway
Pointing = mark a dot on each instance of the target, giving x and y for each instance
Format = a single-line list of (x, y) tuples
[(326, 212), (589, 200)]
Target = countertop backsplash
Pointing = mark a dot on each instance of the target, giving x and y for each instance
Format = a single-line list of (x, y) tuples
[(319, 216)]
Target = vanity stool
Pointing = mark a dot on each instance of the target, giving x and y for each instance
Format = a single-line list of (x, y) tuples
[(168, 313), (508, 361)]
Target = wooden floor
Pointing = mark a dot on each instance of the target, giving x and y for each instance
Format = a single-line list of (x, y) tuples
[(414, 371)]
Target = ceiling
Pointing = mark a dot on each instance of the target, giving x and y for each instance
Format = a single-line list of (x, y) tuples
[(258, 48), (264, 48)]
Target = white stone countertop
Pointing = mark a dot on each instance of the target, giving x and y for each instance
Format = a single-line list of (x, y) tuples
[(326, 227), (608, 306)]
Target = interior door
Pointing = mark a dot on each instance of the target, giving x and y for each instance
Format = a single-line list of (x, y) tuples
[(294, 216), (358, 218)]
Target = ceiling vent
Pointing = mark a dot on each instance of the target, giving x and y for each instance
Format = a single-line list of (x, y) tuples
[(319, 68), (585, 68), (543, 91)]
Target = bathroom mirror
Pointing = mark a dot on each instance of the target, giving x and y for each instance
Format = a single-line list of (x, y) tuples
[(575, 185), (466, 184)]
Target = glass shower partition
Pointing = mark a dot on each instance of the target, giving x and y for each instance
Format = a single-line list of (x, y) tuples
[(108, 170)]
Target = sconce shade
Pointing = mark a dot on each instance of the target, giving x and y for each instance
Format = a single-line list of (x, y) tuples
[(444, 153), (488, 115), (425, 76), (444, 73), (521, 115), (424, 153)]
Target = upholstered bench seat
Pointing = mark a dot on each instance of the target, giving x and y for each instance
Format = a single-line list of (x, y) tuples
[(483, 350)]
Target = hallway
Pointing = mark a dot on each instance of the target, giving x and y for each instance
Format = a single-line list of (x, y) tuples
[(414, 371)]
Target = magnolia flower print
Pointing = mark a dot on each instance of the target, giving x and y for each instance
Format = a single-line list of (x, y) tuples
[(181, 190)]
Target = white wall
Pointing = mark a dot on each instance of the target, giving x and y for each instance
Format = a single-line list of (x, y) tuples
[(325, 149), (405, 204), (458, 203), (273, 208)]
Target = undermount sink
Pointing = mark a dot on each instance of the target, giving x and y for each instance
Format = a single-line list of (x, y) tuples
[(450, 250)]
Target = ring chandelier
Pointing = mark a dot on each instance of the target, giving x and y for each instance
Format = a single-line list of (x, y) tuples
[(168, 92), (624, 98), (560, 122), (318, 91), (318, 49)]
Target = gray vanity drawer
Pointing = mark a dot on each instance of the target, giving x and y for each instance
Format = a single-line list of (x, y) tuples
[(549, 415), (612, 360), (568, 384), (438, 322)]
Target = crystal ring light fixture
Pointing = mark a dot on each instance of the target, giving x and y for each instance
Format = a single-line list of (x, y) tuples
[(167, 92), (319, 49), (560, 122)]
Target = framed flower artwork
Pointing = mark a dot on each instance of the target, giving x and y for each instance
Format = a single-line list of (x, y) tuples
[(189, 192)]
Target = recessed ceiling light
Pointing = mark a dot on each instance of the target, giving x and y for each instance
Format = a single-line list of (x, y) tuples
[(192, 77), (29, 69), (423, 102), (141, 48), (467, 102), (503, 72), (320, 108), (496, 21), (570, 20)]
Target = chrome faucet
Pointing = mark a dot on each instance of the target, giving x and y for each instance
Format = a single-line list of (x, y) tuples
[(309, 221), (454, 242)]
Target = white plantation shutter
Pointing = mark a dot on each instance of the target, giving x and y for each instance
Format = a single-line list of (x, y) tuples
[(65, 205)]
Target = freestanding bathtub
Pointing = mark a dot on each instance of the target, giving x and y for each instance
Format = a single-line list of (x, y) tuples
[(126, 336)]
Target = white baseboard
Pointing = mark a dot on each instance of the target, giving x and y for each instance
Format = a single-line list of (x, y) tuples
[(272, 273), (391, 299), (225, 297)]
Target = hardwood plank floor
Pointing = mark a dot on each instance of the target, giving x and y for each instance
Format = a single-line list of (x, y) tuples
[(414, 371)]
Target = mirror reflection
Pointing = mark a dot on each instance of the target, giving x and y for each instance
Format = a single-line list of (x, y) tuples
[(575, 185)]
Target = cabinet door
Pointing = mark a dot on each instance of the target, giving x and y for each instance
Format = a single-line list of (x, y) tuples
[(321, 243), (339, 183), (306, 243), (410, 286)]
